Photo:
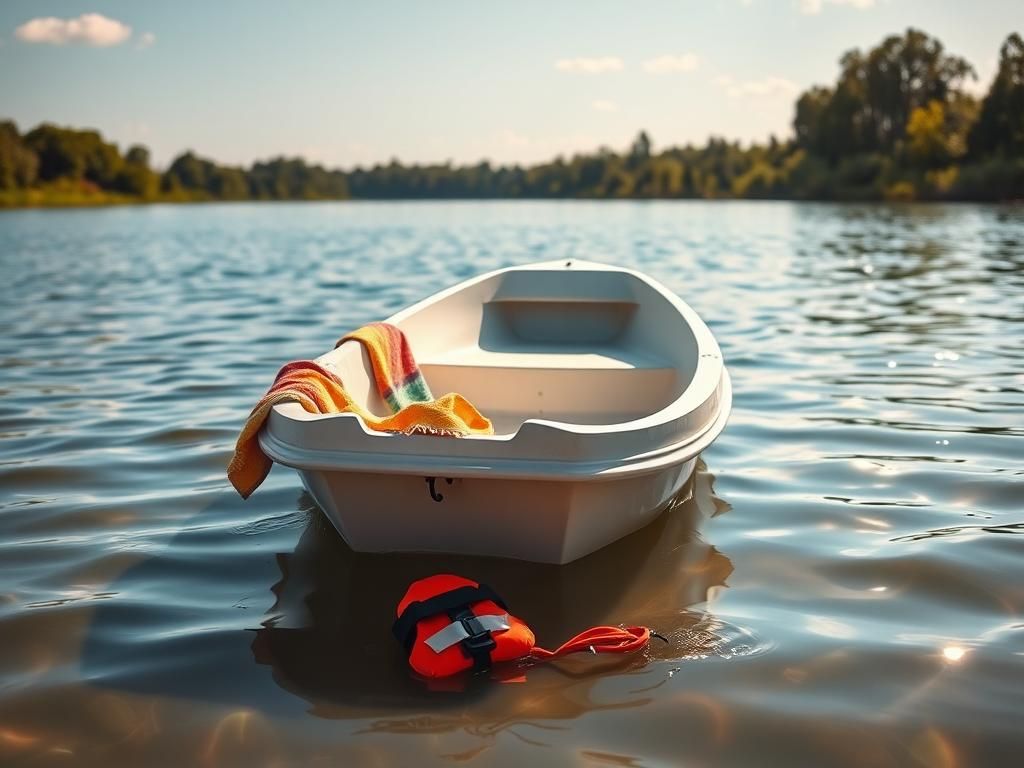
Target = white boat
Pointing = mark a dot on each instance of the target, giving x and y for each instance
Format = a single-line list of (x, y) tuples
[(603, 388)]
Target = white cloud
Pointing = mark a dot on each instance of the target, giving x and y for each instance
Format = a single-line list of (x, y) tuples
[(603, 105), (685, 62), (89, 28), (146, 39), (766, 86), (590, 66), (812, 7)]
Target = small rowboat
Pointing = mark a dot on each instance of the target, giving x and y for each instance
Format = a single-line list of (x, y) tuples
[(603, 388)]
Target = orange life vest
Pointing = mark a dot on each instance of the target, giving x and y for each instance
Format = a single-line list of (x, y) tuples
[(449, 624)]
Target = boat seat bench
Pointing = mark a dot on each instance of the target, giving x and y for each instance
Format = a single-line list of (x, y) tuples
[(594, 385), (532, 356)]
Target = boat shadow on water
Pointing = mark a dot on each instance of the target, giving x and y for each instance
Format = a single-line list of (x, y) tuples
[(327, 637), (327, 640)]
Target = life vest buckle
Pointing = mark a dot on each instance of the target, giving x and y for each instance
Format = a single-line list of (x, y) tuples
[(480, 643), (476, 631)]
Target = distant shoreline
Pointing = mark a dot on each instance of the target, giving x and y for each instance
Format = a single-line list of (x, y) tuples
[(872, 136), (99, 202)]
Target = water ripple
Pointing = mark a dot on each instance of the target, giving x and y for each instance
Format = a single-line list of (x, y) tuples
[(841, 584)]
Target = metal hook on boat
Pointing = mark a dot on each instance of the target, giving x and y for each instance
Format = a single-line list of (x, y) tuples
[(433, 492)]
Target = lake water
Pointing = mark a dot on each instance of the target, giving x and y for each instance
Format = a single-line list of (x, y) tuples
[(842, 583)]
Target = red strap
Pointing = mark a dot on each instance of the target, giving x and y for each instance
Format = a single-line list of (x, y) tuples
[(599, 640)]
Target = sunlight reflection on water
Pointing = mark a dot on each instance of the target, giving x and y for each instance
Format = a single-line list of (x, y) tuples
[(840, 587)]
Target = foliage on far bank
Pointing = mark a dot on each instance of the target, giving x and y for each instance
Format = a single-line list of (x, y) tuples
[(897, 124), (51, 165)]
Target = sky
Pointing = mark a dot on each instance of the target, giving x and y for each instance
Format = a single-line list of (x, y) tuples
[(348, 84)]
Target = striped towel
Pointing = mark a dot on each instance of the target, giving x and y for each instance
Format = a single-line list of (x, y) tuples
[(395, 371), (317, 390)]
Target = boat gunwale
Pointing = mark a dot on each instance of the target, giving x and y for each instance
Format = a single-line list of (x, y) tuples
[(498, 467), (709, 388)]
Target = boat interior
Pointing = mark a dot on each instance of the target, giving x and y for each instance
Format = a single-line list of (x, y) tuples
[(597, 346)]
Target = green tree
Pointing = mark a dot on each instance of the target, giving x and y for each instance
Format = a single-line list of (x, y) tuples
[(809, 118), (188, 172), (76, 155), (137, 155), (136, 177), (1000, 126), (225, 183), (903, 74), (292, 179), (926, 134), (760, 181), (870, 106), (18, 164), (641, 149)]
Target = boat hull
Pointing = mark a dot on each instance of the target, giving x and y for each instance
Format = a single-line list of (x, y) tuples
[(603, 388), (537, 520)]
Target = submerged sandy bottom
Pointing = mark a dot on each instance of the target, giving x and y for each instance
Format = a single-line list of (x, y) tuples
[(841, 583)]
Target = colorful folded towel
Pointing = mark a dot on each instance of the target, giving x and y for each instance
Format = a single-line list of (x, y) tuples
[(398, 378), (317, 390)]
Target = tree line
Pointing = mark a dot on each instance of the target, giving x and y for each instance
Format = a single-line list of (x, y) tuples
[(897, 124)]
